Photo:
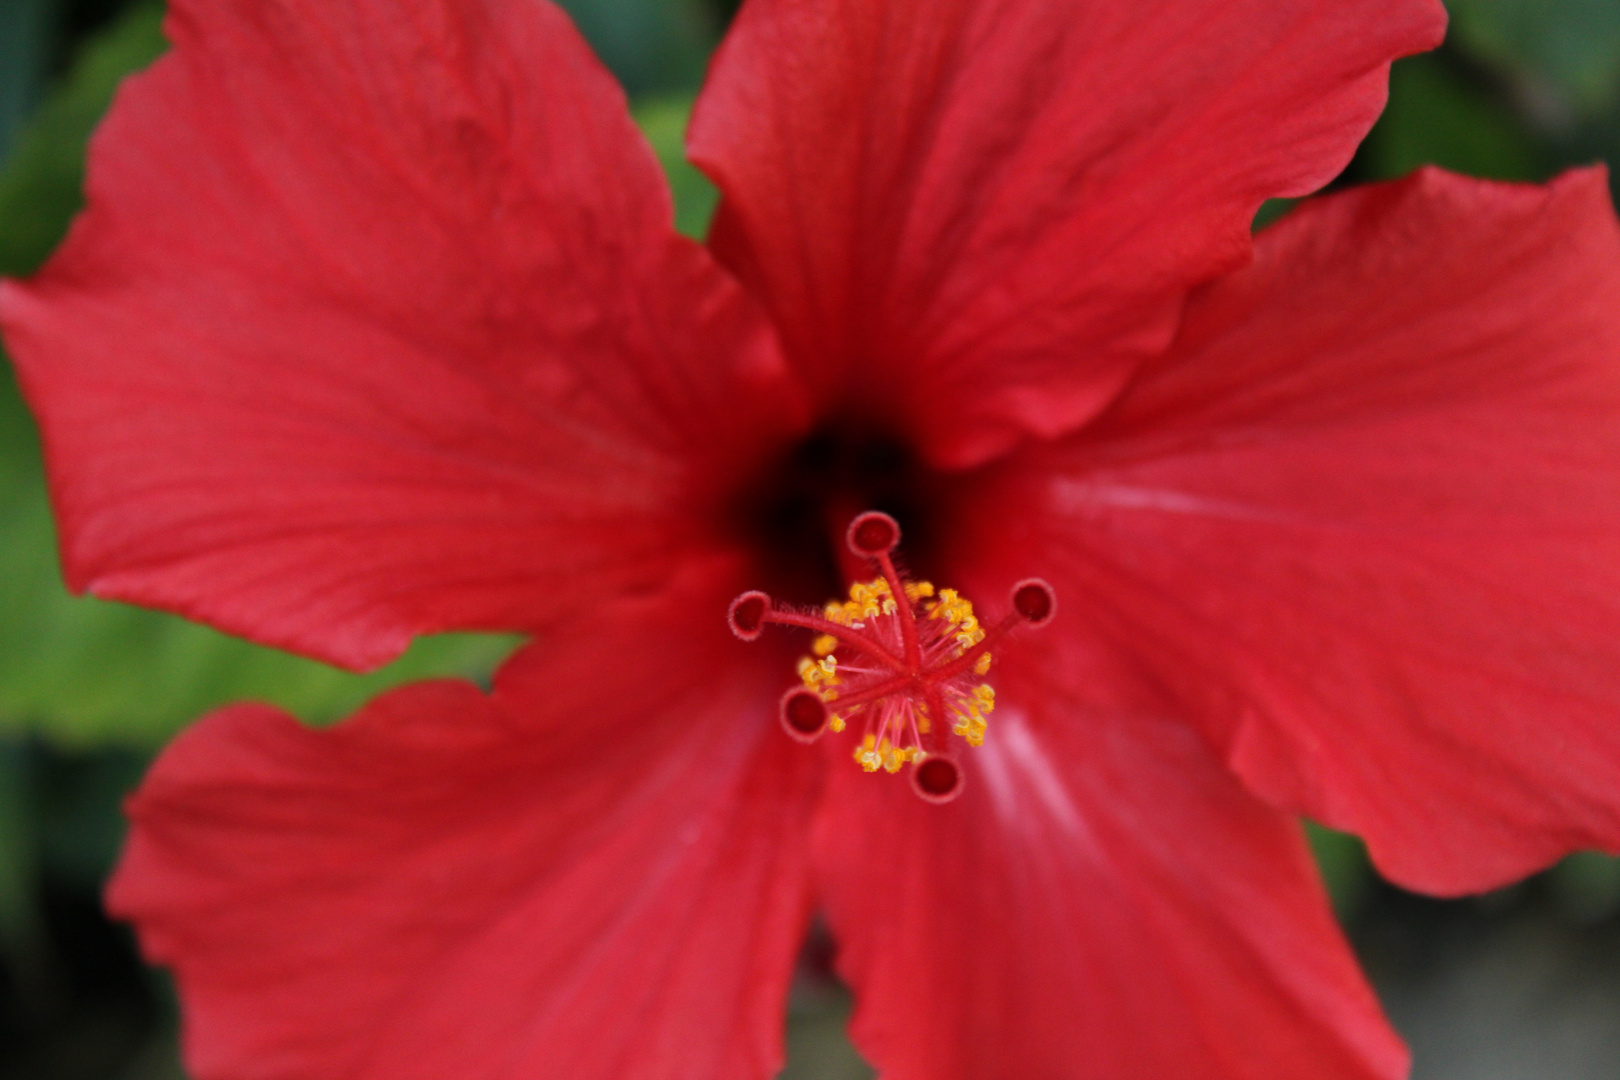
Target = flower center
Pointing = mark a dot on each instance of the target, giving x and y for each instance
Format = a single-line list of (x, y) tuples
[(904, 659)]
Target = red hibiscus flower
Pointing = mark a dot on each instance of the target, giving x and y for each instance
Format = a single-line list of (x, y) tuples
[(376, 325)]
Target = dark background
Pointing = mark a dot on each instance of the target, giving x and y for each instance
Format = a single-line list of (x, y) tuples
[(1521, 984)]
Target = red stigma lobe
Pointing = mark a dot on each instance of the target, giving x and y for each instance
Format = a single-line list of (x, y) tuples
[(904, 658)]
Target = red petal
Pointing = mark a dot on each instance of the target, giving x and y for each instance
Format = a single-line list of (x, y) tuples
[(983, 212), (377, 324), (1364, 523), (611, 884), (1103, 901)]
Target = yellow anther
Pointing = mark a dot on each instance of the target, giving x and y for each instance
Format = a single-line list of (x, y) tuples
[(867, 600), (820, 673), (959, 613), (869, 595), (918, 590), (836, 723), (824, 645), (981, 666), (971, 711), (867, 754)]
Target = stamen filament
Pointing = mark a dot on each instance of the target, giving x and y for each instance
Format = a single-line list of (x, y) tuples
[(845, 634), (907, 614), (936, 717), (872, 693), (966, 661)]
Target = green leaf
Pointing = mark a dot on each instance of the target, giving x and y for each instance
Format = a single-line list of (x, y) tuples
[(663, 121), (82, 672), (1438, 116), (40, 185), (26, 33), (20, 917), (1586, 886), (1573, 46), (76, 809), (1272, 211), (1346, 870), (653, 46)]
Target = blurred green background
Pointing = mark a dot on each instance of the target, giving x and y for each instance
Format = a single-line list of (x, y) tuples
[(1519, 984)]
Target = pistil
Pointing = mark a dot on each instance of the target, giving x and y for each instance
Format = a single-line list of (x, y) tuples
[(913, 661)]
